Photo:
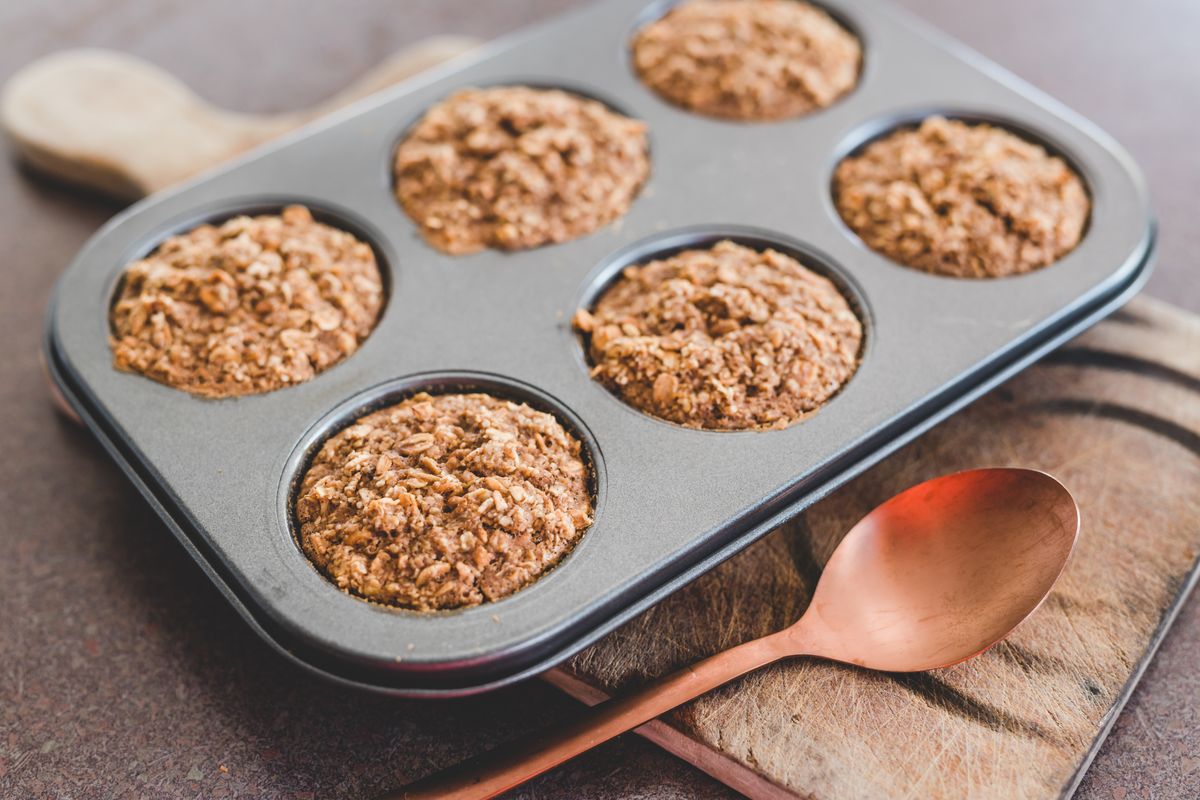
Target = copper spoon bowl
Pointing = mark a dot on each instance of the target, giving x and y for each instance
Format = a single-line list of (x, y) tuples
[(934, 576)]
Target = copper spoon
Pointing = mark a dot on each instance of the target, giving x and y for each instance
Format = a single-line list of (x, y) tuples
[(932, 577)]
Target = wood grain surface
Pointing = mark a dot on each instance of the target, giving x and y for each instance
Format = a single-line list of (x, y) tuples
[(1116, 417), (123, 673)]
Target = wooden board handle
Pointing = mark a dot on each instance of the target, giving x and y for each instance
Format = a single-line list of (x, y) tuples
[(124, 127)]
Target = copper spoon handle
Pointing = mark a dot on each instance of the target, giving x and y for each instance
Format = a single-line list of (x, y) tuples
[(508, 766)]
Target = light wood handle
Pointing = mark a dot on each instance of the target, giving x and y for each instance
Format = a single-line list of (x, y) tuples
[(126, 128), (508, 766)]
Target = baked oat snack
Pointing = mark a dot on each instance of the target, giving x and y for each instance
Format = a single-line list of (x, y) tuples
[(747, 59), (727, 338), (965, 200), (249, 306), (513, 167), (444, 501)]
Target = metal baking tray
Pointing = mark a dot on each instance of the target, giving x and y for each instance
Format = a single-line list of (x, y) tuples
[(671, 502)]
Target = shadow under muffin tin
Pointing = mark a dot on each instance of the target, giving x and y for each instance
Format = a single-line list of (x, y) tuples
[(670, 502)]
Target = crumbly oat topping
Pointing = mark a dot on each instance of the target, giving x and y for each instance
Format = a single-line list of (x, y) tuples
[(970, 201), (748, 59), (252, 305), (513, 167), (727, 338), (444, 501)]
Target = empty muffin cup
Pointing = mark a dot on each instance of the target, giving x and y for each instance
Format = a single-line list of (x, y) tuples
[(724, 337), (515, 167), (247, 306), (967, 200)]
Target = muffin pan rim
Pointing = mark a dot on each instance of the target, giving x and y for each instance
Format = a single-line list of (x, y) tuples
[(72, 323)]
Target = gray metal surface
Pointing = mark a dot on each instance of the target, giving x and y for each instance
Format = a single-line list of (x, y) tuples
[(671, 501)]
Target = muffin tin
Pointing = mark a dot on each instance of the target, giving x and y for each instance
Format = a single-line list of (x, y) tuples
[(671, 502)]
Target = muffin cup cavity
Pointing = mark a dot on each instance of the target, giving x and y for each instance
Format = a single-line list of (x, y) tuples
[(740, 76), (960, 195), (450, 523), (736, 329), (247, 300), (516, 166)]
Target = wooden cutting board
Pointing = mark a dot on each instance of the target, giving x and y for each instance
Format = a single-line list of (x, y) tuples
[(1116, 416)]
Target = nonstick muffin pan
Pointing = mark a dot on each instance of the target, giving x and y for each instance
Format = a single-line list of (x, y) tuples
[(670, 502)]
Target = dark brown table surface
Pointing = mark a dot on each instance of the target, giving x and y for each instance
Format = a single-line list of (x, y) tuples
[(124, 674)]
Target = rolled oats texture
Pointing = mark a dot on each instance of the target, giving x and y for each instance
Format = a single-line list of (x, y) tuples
[(964, 200), (748, 59), (724, 338), (248, 306), (514, 167), (444, 501)]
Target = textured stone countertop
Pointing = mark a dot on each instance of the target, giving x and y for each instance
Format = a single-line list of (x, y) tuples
[(123, 673)]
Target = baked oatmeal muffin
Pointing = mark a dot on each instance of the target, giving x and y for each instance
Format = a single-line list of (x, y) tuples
[(248, 306), (727, 338), (513, 167), (966, 200), (444, 501), (747, 59)]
